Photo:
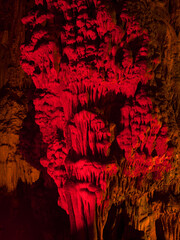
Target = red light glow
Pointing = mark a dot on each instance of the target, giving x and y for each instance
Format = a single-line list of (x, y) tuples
[(78, 60)]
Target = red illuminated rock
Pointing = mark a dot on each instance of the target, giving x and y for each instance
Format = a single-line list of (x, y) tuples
[(76, 69), (142, 135)]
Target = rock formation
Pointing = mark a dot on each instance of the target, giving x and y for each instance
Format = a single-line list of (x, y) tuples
[(103, 114), (13, 98)]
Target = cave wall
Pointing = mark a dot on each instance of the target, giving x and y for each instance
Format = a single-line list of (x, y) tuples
[(14, 103), (137, 207)]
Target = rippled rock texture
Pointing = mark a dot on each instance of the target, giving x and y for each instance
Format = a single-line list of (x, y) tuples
[(103, 114)]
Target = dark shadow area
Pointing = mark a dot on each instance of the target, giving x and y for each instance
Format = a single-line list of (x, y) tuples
[(118, 226), (83, 234), (32, 213), (31, 144), (160, 196), (159, 230)]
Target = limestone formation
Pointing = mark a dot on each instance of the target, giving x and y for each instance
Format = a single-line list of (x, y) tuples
[(91, 95)]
